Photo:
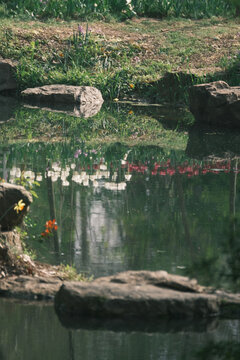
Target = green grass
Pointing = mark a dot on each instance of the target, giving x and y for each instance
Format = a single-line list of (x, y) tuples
[(123, 68), (122, 9)]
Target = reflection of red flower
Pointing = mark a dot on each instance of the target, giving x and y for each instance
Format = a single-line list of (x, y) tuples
[(162, 172), (167, 168), (49, 226)]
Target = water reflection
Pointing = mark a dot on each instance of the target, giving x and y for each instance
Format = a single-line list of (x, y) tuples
[(121, 207), (34, 332)]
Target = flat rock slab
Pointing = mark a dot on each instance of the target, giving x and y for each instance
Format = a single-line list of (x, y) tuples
[(216, 103), (143, 294), (29, 287)]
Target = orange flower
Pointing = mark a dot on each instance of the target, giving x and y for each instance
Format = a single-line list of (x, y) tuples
[(131, 86), (61, 54), (50, 225), (130, 112)]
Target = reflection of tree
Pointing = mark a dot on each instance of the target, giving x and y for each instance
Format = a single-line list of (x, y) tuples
[(82, 204), (234, 245), (84, 223), (52, 210), (183, 211), (233, 188), (71, 345)]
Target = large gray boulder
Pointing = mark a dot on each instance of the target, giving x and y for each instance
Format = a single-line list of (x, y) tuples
[(7, 75), (10, 195), (216, 103), (143, 294), (80, 100)]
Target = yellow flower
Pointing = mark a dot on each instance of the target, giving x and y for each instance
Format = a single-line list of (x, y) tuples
[(130, 112), (131, 86), (116, 100), (19, 206)]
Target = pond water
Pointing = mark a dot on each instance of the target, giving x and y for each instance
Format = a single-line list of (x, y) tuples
[(118, 208), (34, 332)]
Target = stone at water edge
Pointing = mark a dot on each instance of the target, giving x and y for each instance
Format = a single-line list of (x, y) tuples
[(10, 195), (7, 75), (63, 94), (139, 294), (216, 103)]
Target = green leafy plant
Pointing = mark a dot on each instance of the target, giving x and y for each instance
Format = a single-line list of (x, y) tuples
[(27, 183), (70, 273)]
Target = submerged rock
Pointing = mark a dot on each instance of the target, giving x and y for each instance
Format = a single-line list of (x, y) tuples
[(216, 103), (143, 294), (7, 75), (10, 195)]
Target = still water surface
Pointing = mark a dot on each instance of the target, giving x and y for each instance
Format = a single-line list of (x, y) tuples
[(33, 332), (120, 208)]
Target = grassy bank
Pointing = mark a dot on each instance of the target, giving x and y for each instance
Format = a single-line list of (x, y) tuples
[(124, 59)]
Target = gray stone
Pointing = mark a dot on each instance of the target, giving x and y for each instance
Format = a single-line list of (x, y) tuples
[(80, 101), (143, 294), (215, 103), (83, 97), (10, 195), (29, 287), (7, 75)]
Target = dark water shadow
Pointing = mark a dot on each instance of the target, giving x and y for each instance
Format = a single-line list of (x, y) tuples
[(206, 142), (139, 325), (8, 106)]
